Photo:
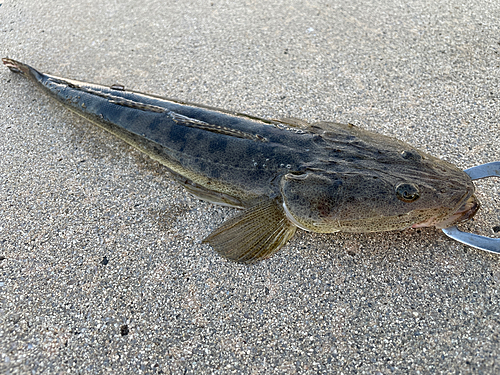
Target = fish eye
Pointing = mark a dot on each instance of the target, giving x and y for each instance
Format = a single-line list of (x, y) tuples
[(407, 192)]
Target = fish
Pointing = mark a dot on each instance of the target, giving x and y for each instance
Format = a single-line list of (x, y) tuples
[(285, 174)]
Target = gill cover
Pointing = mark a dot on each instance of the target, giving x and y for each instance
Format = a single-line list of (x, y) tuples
[(310, 198)]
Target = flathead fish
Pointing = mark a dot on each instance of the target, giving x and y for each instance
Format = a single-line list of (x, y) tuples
[(285, 174)]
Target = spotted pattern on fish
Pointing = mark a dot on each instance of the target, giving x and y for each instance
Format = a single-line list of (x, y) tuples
[(285, 174)]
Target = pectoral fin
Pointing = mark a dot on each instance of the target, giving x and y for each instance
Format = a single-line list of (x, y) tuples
[(255, 234)]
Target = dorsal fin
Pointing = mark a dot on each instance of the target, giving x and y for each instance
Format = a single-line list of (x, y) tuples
[(177, 117), (294, 122), (195, 123)]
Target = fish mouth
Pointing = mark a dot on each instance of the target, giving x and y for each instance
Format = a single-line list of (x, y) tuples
[(464, 213)]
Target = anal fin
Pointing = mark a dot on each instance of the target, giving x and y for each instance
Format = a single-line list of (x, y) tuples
[(206, 194), (255, 234)]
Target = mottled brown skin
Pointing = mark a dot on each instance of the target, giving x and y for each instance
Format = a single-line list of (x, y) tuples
[(323, 177), (358, 187)]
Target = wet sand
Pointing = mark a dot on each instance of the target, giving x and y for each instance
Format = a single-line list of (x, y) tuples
[(102, 266)]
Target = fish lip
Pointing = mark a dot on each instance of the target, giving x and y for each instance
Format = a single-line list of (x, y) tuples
[(465, 212), (466, 208)]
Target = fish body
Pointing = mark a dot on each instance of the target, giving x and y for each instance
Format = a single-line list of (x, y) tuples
[(324, 177)]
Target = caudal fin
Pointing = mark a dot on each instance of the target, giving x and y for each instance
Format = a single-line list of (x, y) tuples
[(19, 67), (16, 66)]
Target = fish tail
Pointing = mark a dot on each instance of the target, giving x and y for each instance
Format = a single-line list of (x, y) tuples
[(18, 67)]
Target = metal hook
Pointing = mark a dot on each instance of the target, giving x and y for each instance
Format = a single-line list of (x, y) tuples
[(479, 242)]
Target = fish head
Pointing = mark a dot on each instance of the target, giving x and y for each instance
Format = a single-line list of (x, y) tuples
[(397, 190)]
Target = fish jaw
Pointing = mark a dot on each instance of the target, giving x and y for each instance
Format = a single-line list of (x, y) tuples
[(465, 212)]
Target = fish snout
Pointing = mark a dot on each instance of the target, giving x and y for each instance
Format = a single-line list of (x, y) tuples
[(466, 212)]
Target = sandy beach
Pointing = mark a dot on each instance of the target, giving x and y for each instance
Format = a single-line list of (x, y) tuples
[(101, 260)]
